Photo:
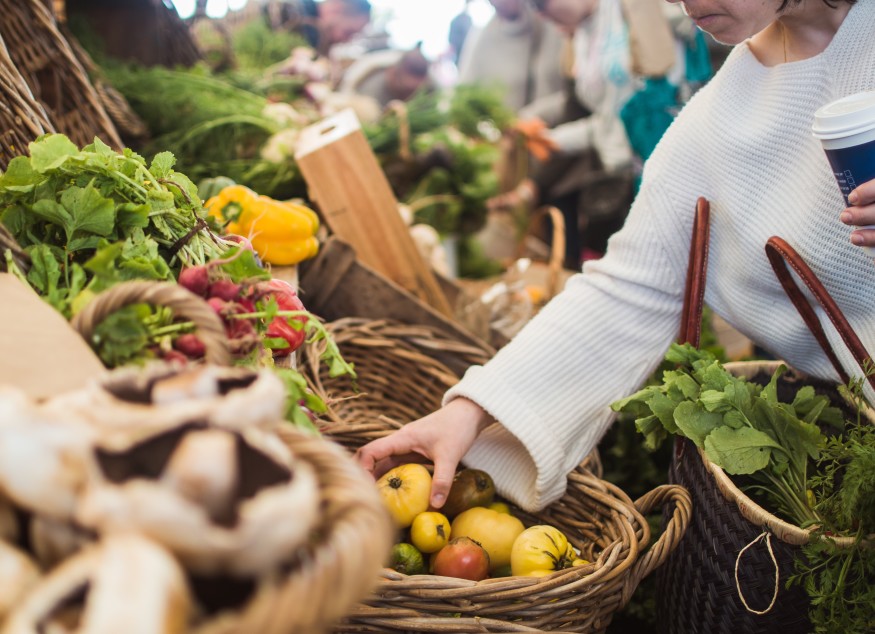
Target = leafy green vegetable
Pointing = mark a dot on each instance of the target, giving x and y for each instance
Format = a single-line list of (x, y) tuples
[(741, 426), (89, 218), (746, 429), (839, 580)]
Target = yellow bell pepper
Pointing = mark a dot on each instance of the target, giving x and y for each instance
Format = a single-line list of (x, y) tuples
[(282, 233)]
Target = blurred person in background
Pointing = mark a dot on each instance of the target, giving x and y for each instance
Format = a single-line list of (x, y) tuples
[(387, 76), (460, 28), (518, 51), (323, 24), (591, 174)]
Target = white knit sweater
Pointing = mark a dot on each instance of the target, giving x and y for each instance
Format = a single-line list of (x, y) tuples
[(743, 142)]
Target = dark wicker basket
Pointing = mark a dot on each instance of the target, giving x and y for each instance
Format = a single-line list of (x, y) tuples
[(49, 66), (698, 591)]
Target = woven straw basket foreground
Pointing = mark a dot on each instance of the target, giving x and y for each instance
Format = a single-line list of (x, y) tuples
[(698, 590), (400, 376), (350, 541)]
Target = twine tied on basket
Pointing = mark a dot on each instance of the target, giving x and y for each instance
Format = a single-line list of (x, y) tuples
[(768, 537)]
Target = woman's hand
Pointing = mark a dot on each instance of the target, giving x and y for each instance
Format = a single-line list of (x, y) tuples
[(525, 194), (443, 437), (861, 214)]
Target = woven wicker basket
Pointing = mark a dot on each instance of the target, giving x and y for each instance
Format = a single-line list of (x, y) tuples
[(698, 589), (128, 122), (183, 303), (400, 376), (49, 66), (22, 118), (338, 569), (405, 370), (609, 529)]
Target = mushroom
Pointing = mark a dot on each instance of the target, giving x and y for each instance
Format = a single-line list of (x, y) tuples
[(18, 574), (52, 540), (8, 522), (163, 396), (44, 464), (125, 584), (243, 515)]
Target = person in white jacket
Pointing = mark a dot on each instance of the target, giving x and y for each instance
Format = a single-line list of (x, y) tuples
[(744, 142), (517, 51)]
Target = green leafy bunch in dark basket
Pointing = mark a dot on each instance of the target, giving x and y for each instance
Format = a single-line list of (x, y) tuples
[(741, 426), (826, 484)]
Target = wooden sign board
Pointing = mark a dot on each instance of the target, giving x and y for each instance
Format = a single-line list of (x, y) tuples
[(40, 352), (355, 199)]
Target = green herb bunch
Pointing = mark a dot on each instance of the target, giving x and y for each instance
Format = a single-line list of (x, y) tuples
[(840, 579), (741, 426), (89, 218)]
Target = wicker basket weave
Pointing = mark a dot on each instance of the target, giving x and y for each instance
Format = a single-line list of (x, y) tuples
[(128, 122), (22, 118), (400, 376), (327, 581), (609, 529), (49, 66), (183, 303), (405, 369)]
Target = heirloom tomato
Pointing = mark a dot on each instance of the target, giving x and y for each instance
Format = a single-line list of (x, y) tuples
[(405, 491)]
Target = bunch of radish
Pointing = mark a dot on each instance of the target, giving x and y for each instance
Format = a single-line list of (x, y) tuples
[(255, 313)]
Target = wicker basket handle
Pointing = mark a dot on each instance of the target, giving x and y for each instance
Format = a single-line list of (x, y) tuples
[(671, 536), (182, 302), (557, 248)]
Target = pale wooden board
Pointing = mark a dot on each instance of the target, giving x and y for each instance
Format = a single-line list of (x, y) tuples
[(345, 180), (39, 351)]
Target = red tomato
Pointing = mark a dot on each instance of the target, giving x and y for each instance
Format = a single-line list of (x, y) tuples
[(462, 558)]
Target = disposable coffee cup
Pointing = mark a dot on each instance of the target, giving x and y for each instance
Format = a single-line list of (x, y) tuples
[(846, 129)]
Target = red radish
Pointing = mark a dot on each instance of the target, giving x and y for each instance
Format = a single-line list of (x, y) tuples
[(174, 356), (286, 299), (224, 289), (190, 345), (217, 304), (196, 279)]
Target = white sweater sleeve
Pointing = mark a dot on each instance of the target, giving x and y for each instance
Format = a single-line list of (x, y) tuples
[(596, 342)]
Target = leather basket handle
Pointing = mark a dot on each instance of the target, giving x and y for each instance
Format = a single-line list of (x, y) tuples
[(697, 270), (780, 254)]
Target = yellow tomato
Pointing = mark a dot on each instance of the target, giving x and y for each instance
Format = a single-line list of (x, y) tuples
[(540, 550), (430, 531), (500, 507), (494, 531), (405, 491)]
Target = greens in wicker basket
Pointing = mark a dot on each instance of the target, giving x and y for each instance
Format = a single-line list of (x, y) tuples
[(809, 464), (88, 218)]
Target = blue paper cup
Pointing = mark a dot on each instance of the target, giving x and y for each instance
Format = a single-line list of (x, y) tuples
[(846, 129)]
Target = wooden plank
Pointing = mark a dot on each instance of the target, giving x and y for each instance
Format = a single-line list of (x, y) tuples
[(355, 199), (362, 292), (41, 353)]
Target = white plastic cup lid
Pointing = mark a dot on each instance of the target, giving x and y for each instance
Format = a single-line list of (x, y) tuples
[(845, 117)]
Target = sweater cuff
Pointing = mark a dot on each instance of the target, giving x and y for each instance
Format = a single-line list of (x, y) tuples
[(524, 459)]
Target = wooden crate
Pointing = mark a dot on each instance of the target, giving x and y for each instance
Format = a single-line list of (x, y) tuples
[(336, 284)]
